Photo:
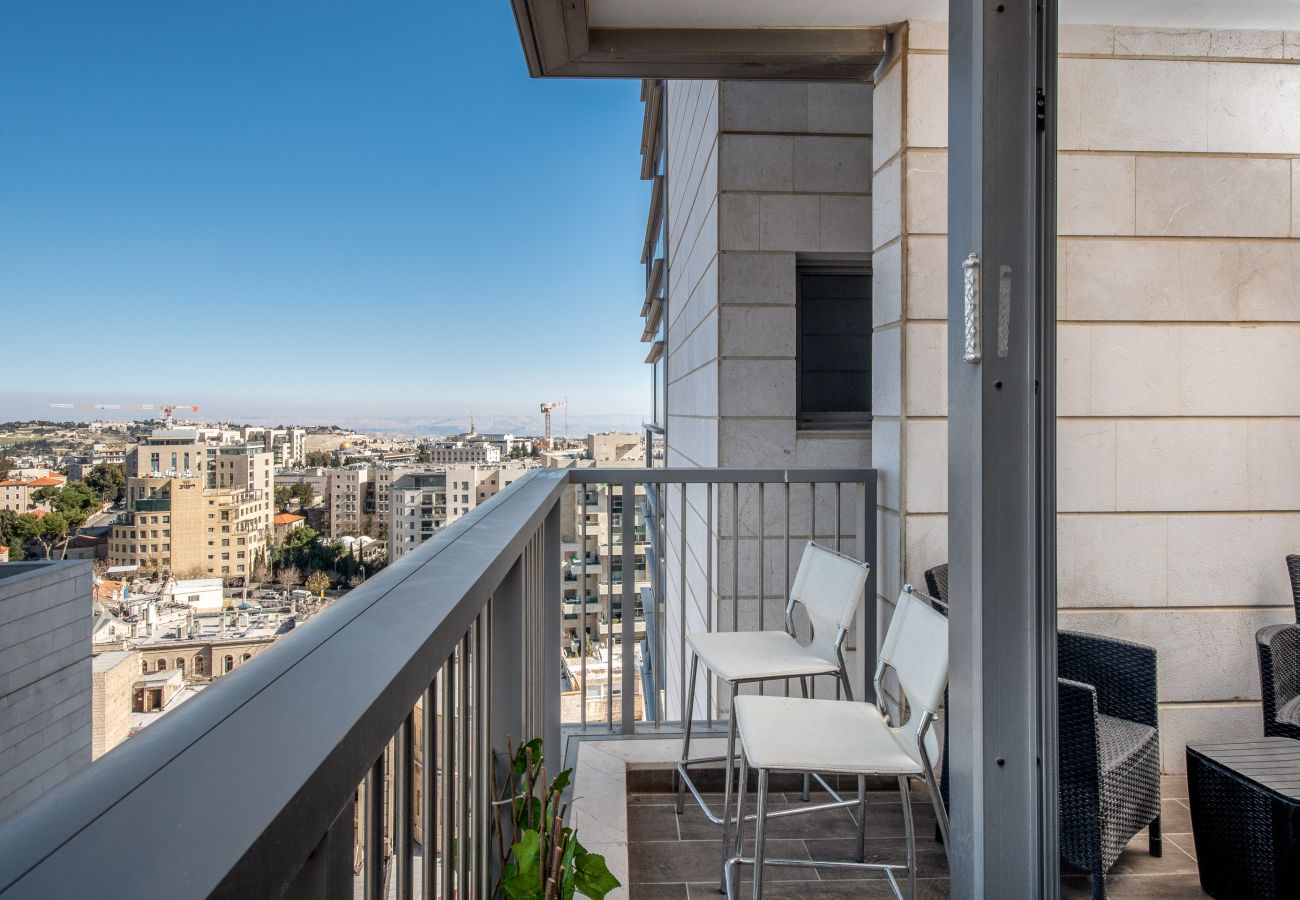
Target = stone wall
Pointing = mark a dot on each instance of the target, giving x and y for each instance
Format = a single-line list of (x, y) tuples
[(114, 676), (45, 707), (760, 176), (1179, 345)]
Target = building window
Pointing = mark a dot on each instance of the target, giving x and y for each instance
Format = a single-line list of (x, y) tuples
[(180, 665), (834, 346), (198, 665), (162, 665), (229, 663)]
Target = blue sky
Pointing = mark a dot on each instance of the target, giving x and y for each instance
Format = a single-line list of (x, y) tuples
[(280, 208)]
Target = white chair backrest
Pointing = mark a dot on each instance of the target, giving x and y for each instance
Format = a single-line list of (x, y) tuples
[(830, 587), (916, 648)]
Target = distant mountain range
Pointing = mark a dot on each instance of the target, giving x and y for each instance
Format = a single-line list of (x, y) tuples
[(439, 425)]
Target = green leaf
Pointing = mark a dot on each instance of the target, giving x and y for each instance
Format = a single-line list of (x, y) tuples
[(561, 781), (592, 877), (523, 880)]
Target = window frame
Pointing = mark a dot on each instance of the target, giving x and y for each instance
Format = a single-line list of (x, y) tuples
[(830, 421)]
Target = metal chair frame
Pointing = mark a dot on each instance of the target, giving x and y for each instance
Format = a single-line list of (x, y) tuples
[(762, 814), (684, 780)]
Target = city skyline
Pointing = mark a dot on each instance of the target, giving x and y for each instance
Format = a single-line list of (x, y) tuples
[(318, 199)]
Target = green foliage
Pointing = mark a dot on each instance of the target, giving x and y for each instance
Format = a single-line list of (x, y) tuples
[(6, 466), (10, 536), (287, 494), (317, 582), (546, 860), (109, 481), (319, 459)]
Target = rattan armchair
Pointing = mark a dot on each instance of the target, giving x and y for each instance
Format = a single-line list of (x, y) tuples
[(1109, 750), (1293, 569), (1279, 678), (1109, 745)]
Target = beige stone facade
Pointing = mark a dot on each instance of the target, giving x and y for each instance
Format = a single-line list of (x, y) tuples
[(114, 673), (1179, 346), (195, 510)]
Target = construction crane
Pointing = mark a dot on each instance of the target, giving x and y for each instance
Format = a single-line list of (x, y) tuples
[(165, 410), (546, 411)]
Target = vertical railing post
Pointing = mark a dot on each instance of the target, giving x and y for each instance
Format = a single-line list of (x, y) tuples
[(552, 591), (627, 658)]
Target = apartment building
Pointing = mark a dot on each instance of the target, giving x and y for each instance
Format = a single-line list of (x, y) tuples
[(421, 503), (609, 446), (100, 454), (195, 509), (350, 494), (288, 446), (16, 493), (460, 452), (417, 511)]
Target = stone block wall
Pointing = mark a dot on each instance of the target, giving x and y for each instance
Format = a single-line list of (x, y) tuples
[(760, 176), (45, 696), (1179, 345)]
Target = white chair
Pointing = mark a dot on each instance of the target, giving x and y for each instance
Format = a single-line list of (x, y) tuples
[(830, 586), (791, 735)]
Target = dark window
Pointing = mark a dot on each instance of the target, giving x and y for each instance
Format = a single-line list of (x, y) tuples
[(834, 351)]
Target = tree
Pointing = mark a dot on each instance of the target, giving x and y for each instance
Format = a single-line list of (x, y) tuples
[(261, 574), (424, 456), (317, 582), (73, 503), (109, 481), (304, 493), (11, 535), (6, 466), (320, 459), (45, 530), (282, 498), (288, 576)]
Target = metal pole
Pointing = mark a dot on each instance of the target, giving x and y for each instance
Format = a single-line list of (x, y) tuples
[(627, 530), (1001, 447)]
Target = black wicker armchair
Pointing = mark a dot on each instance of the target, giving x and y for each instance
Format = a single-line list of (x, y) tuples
[(1109, 750), (1279, 678), (1293, 569)]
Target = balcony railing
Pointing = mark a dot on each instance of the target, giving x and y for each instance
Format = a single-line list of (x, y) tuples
[(387, 715)]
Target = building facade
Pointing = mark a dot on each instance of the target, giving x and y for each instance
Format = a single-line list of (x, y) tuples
[(1177, 267), (45, 688), (195, 509)]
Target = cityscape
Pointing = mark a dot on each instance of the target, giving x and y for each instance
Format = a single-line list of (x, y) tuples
[(208, 542), (650, 450)]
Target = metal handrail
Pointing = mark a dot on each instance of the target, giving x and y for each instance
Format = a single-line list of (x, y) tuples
[(317, 708), (329, 706)]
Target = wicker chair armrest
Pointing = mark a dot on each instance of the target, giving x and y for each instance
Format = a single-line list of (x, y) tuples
[(1123, 673), (1077, 740), (1279, 669)]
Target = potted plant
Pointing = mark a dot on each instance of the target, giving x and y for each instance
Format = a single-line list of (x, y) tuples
[(545, 860)]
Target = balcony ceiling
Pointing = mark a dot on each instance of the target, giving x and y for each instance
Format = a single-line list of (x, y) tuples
[(813, 39)]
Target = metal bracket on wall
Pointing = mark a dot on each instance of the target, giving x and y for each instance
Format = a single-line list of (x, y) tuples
[(971, 349)]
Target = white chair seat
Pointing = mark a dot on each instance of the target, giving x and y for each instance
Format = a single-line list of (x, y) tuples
[(751, 655), (821, 736)]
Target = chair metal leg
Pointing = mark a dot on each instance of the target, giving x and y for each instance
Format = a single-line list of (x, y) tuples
[(807, 780), (727, 782), (1155, 842), (861, 854), (688, 715), (732, 862), (911, 837), (940, 811), (760, 826), (1098, 886)]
